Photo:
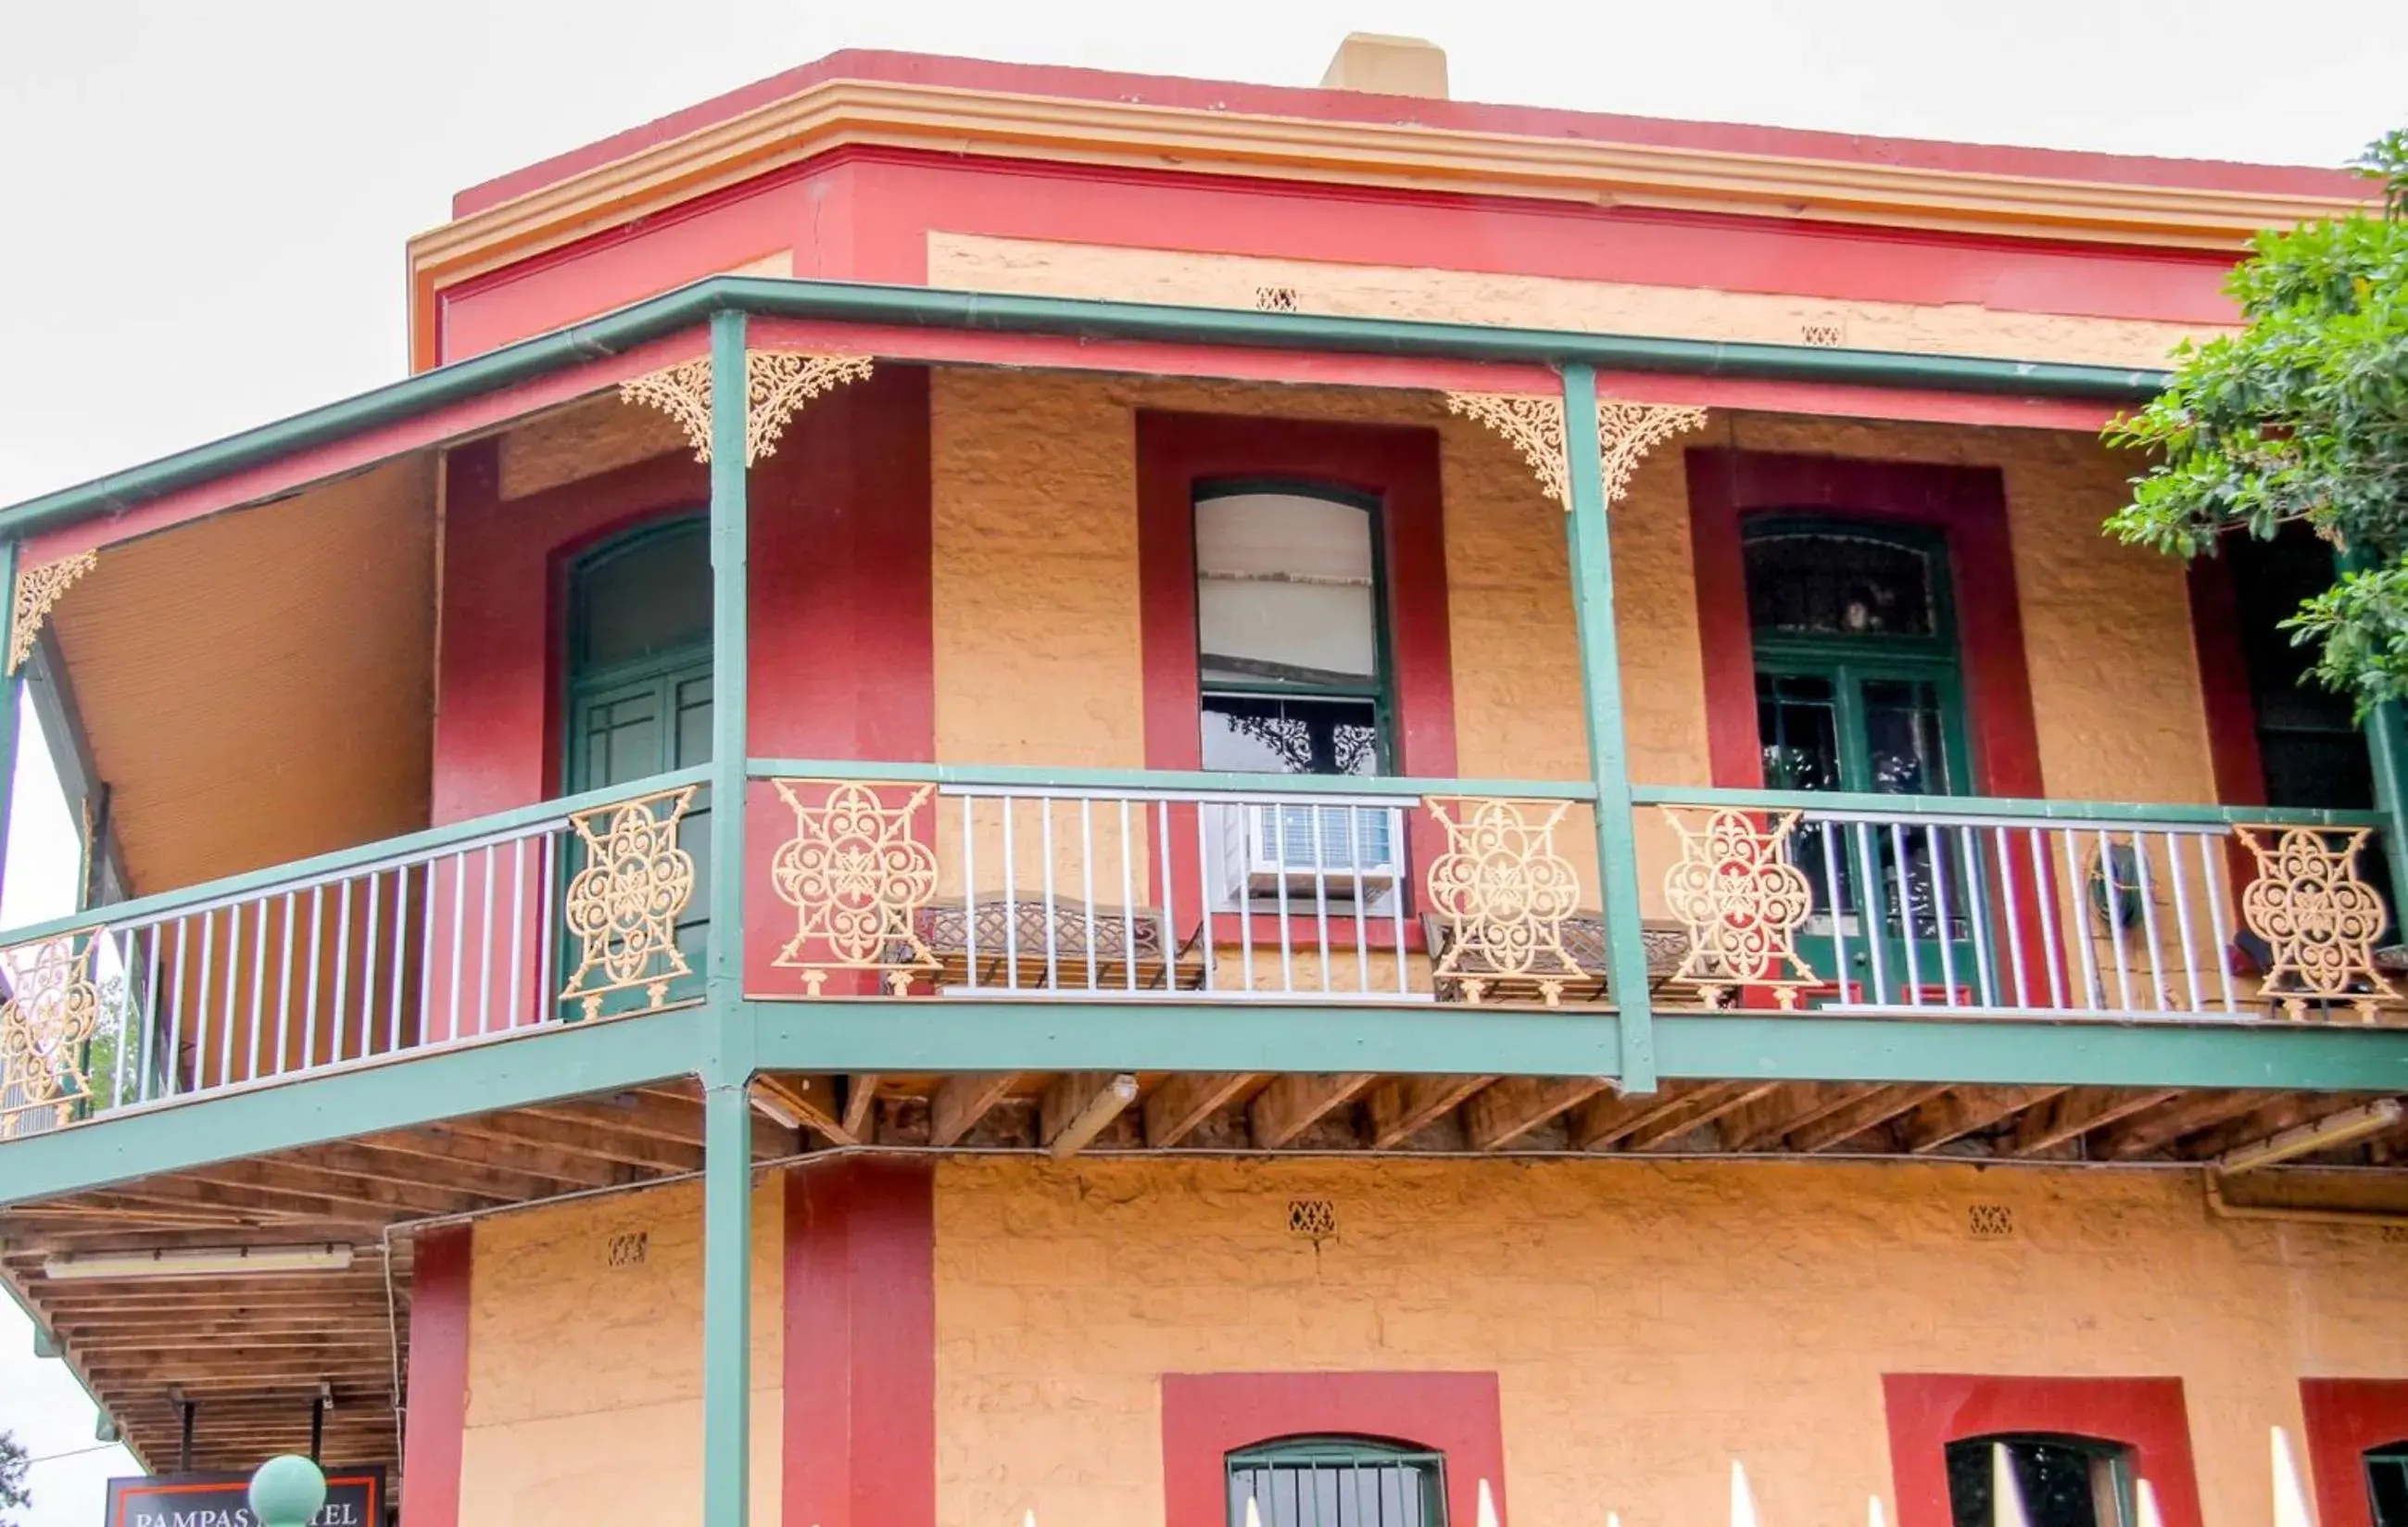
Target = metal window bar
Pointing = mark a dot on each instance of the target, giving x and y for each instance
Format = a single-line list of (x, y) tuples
[(1334, 1484)]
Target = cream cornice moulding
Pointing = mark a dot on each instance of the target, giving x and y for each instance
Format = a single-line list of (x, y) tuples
[(839, 112)]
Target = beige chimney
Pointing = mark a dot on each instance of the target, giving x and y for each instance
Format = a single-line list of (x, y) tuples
[(1386, 66)]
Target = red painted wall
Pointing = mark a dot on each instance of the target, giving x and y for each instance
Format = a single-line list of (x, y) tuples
[(1205, 1417), (1929, 1411), (865, 214), (2347, 1417), (861, 1344), (438, 1400), (842, 644)]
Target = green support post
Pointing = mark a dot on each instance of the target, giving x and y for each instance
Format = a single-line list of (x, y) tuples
[(12, 702), (727, 1117), (2386, 746), (1609, 759)]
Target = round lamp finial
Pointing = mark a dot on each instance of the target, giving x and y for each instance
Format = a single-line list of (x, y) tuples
[(287, 1492)]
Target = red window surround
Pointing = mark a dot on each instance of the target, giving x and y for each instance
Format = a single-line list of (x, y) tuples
[(2346, 1417), (1206, 1417), (1398, 465), (1966, 504), (1929, 1411)]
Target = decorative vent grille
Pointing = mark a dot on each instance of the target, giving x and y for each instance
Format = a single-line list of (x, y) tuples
[(1275, 300), (628, 1250), (1830, 334), (1990, 1221), (1315, 1219)]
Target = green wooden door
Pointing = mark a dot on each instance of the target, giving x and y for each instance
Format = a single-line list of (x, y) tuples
[(638, 690), (1858, 689)]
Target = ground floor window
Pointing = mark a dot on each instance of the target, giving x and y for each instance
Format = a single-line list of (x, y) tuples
[(2061, 1481), (1336, 1482), (2386, 1484)]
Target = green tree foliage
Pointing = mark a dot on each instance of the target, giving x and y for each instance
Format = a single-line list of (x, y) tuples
[(2301, 415), (14, 1465)]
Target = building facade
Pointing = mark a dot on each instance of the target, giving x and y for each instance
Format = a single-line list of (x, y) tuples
[(1318, 798)]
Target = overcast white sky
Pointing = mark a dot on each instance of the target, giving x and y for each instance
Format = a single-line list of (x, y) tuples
[(201, 208)]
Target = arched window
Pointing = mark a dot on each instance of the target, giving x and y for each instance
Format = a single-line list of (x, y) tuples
[(1293, 674), (2061, 1479), (1337, 1482), (637, 679), (2387, 1483), (1856, 681)]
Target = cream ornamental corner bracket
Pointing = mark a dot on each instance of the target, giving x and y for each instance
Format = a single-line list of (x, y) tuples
[(37, 590), (777, 383), (1534, 425), (1626, 432)]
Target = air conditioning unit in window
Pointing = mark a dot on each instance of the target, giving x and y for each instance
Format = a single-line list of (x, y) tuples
[(1298, 845)]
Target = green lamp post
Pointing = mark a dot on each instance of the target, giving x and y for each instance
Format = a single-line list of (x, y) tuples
[(287, 1492)]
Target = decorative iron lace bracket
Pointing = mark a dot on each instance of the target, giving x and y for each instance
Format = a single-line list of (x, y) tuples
[(1626, 432), (2318, 918), (37, 590), (776, 384)]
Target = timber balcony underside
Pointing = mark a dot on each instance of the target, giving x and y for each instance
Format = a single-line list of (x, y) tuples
[(241, 1348)]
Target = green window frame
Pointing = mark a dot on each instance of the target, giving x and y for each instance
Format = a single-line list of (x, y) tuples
[(1337, 1482), (2066, 1480), (1381, 690), (628, 719), (2386, 1484)]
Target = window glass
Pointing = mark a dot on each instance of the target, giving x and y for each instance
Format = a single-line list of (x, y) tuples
[(1830, 582), (1285, 590), (1337, 1482), (644, 596), (2386, 1484), (2063, 1481), (2308, 740)]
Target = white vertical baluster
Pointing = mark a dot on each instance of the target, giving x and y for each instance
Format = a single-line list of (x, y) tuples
[(150, 1013), (2291, 1495), (225, 1019), (516, 989), (258, 985), (1087, 881), (176, 1013), (1905, 916), (317, 945), (459, 938), (2160, 994), (1827, 832), (1320, 882), (1279, 883), (284, 992), (123, 943), (1169, 914), (343, 969), (2015, 916), (1053, 928), (546, 934), (1011, 899), (1396, 856), (1354, 863), (485, 948), (2044, 895), (1977, 915), (2182, 920), (969, 889), (425, 950), (1868, 891), (1128, 899), (1932, 839), (2220, 931), (2079, 933), (2006, 1494), (1246, 907), (2115, 924), (1204, 900)]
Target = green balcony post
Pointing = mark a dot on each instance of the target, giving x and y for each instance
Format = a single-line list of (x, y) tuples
[(729, 659), (727, 1118), (1609, 761), (2386, 746)]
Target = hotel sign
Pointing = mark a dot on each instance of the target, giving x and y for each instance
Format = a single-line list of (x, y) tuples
[(354, 1498)]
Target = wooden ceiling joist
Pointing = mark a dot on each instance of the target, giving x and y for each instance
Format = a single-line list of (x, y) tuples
[(1505, 1111), (1296, 1102)]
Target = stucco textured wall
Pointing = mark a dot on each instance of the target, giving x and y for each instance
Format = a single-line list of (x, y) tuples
[(1648, 1323), (585, 1380), (973, 262), (1037, 598)]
